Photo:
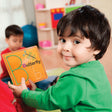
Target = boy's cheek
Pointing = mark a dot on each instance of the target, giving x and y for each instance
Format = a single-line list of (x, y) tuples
[(59, 49)]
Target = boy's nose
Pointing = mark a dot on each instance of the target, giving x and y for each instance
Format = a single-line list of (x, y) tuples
[(18, 44), (67, 46)]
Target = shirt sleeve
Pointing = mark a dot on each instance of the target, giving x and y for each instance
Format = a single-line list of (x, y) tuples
[(64, 95), (38, 89), (4, 69)]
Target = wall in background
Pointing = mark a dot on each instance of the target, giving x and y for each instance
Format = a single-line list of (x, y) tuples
[(11, 12), (105, 6), (21, 12), (29, 11)]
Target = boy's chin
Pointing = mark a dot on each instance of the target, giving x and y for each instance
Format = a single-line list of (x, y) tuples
[(16, 49), (70, 65)]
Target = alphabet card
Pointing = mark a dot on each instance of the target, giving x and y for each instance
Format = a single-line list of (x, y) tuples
[(25, 63)]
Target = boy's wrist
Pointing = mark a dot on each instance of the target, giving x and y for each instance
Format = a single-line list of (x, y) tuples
[(23, 92)]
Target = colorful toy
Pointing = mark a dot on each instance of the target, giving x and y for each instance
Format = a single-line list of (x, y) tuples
[(72, 2), (45, 44), (30, 36), (39, 6), (69, 9), (42, 25), (25, 63), (56, 15)]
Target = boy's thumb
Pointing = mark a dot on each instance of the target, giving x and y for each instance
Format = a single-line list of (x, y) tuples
[(23, 82), (11, 86)]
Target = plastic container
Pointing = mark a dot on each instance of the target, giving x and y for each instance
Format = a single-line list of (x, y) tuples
[(39, 6), (45, 44)]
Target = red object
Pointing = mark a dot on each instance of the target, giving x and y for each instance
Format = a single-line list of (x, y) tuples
[(72, 2), (21, 107), (56, 15), (9, 104), (6, 98), (4, 69), (66, 4)]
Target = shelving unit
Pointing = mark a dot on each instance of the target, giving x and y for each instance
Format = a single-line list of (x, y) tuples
[(43, 15)]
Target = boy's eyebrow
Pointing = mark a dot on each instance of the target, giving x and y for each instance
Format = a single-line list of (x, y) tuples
[(79, 36)]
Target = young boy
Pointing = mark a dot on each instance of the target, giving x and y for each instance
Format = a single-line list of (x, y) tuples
[(84, 35), (14, 39)]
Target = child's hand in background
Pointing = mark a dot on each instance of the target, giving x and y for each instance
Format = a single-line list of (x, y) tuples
[(17, 90), (33, 86)]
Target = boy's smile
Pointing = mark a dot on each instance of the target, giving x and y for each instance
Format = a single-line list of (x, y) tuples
[(67, 57)]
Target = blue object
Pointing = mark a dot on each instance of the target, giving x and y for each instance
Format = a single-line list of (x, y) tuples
[(30, 36), (44, 84), (58, 16), (6, 79)]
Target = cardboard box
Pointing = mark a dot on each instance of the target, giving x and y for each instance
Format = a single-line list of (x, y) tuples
[(25, 63)]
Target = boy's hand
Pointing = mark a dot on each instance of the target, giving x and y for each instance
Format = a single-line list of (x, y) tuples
[(17, 90), (33, 86)]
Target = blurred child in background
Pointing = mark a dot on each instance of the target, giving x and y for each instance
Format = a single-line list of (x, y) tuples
[(14, 39)]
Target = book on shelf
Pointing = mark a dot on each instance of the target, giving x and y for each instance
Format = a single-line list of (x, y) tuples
[(25, 63)]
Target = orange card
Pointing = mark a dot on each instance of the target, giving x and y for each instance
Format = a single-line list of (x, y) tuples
[(25, 63)]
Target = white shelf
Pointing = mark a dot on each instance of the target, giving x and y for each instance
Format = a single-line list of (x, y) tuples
[(45, 29), (45, 9)]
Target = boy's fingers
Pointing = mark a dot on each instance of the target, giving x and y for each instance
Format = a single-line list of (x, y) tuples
[(33, 86), (23, 81), (23, 84), (11, 86), (31, 82)]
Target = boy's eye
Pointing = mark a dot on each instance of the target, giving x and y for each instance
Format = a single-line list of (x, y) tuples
[(21, 41), (62, 40), (76, 42), (14, 40)]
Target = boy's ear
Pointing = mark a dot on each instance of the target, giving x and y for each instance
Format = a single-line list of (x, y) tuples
[(96, 52)]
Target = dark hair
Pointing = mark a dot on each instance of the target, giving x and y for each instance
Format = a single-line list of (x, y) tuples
[(91, 23), (13, 30)]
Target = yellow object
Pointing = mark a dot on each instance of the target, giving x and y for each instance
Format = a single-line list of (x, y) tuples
[(42, 24), (25, 63), (57, 10), (62, 9), (53, 11)]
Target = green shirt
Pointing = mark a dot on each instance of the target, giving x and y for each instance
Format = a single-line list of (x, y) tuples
[(84, 88)]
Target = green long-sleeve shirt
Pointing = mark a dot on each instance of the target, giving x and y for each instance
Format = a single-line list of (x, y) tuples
[(84, 88)]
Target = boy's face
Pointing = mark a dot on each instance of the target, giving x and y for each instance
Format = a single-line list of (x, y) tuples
[(75, 50), (15, 42)]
